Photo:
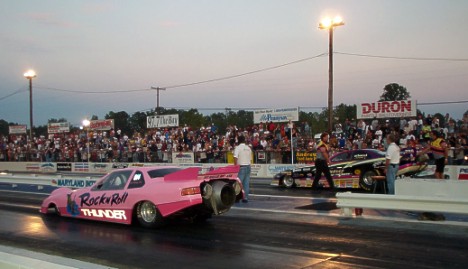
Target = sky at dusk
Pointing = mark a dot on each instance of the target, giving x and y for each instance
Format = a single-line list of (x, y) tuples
[(92, 57)]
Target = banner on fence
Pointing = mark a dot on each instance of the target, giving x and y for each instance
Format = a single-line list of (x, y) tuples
[(386, 109), (17, 129), (161, 121), (101, 125), (58, 128), (276, 115)]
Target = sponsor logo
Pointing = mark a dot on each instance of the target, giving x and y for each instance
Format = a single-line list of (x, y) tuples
[(360, 156), (101, 213), (100, 165), (119, 165), (162, 121), (279, 168), (385, 109), (183, 155), (73, 183), (114, 199), (81, 167), (463, 174), (32, 167), (47, 167), (207, 177), (269, 117), (64, 167)]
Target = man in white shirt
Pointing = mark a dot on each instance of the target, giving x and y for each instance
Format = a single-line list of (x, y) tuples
[(392, 162), (243, 157)]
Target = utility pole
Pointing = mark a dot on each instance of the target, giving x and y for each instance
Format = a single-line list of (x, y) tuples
[(157, 101)]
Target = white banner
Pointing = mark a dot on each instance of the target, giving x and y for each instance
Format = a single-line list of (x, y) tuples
[(161, 121), (17, 129), (276, 115), (57, 128), (180, 158), (387, 109)]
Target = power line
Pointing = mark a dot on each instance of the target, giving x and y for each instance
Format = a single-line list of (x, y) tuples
[(188, 84), (301, 107), (443, 103), (91, 92), (247, 73), (403, 58), (13, 93)]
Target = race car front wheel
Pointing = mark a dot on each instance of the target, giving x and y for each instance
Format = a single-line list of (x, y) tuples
[(148, 215), (366, 182)]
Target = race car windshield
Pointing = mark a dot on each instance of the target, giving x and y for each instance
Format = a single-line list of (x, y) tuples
[(162, 172)]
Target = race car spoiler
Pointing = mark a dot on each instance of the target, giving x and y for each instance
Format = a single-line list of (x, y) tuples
[(226, 172)]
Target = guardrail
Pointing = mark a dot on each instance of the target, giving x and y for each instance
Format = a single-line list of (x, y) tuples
[(349, 201), (412, 194)]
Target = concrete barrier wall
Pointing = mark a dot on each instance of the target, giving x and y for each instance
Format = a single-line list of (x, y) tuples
[(454, 189), (258, 170)]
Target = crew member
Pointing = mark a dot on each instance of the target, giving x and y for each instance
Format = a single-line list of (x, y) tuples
[(392, 162), (322, 161), (243, 158), (439, 150)]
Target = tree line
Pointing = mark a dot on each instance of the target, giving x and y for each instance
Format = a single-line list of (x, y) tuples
[(318, 121)]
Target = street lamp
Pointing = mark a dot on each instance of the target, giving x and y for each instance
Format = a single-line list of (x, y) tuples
[(330, 24), (30, 75), (86, 123)]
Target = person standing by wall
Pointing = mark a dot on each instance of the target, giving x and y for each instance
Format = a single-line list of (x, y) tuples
[(322, 161), (392, 162), (243, 158), (439, 150)]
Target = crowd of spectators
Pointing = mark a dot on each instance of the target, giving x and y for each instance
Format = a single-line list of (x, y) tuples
[(411, 134), (209, 144)]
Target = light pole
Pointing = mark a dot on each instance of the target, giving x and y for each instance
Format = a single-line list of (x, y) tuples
[(86, 123), (330, 24), (30, 75)]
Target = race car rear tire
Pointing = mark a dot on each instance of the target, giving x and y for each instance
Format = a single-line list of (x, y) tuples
[(288, 181), (148, 215), (366, 182)]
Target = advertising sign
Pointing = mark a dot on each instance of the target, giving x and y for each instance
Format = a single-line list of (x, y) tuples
[(101, 125), (276, 115), (67, 167), (182, 158), (305, 157), (57, 128), (17, 129), (387, 109), (161, 121), (463, 174)]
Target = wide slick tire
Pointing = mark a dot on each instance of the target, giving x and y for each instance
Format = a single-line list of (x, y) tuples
[(288, 181), (365, 181), (148, 215)]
